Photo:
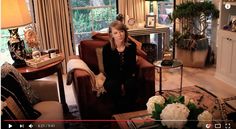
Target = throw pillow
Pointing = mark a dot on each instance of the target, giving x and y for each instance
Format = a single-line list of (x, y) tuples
[(7, 69), (100, 59), (17, 106), (12, 93)]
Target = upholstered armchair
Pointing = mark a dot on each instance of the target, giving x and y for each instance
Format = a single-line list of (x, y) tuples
[(93, 107)]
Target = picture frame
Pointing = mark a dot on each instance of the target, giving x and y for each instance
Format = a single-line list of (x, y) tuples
[(150, 21)]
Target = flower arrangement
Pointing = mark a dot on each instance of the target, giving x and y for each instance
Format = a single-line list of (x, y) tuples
[(175, 112), (31, 38)]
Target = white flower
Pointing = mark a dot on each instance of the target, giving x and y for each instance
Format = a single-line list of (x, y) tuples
[(151, 102), (174, 115), (3, 104), (204, 118)]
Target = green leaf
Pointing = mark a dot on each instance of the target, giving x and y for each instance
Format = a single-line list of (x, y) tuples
[(156, 113), (181, 99), (170, 100)]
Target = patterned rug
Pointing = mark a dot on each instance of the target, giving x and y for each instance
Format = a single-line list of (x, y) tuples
[(204, 99), (201, 96)]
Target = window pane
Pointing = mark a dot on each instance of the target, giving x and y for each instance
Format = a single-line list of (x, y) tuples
[(79, 3), (100, 14), (91, 15), (81, 20)]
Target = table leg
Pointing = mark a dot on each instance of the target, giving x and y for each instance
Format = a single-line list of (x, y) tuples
[(61, 90), (160, 80), (181, 79)]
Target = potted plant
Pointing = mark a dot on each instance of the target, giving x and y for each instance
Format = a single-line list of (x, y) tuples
[(191, 40)]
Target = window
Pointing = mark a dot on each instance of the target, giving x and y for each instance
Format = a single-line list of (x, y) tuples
[(165, 8), (90, 15)]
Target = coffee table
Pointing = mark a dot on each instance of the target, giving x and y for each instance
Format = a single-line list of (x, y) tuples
[(203, 98), (123, 118)]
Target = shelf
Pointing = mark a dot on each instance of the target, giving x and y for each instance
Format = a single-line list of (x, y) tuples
[(231, 3)]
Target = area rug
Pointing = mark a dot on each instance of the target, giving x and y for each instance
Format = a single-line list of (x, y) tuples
[(204, 99)]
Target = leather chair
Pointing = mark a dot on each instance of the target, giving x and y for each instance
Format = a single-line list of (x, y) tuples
[(93, 107)]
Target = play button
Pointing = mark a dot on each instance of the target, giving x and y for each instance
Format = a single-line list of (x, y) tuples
[(9, 126)]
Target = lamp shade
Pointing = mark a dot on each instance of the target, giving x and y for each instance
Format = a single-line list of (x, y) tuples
[(14, 13)]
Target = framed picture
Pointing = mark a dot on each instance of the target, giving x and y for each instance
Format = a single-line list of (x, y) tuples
[(150, 21)]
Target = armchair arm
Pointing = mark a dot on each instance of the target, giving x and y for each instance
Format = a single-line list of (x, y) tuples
[(146, 74), (45, 90), (82, 88), (74, 57)]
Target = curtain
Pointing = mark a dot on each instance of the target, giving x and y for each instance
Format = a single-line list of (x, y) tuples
[(132, 9), (53, 26)]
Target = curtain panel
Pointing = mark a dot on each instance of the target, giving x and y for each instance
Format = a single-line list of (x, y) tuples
[(132, 9), (53, 26)]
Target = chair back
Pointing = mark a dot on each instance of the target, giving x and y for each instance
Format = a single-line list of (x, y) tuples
[(87, 52)]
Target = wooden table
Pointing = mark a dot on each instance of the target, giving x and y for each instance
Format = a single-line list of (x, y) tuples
[(124, 117), (36, 73)]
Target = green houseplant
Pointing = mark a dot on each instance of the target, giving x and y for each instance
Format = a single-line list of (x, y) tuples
[(191, 40)]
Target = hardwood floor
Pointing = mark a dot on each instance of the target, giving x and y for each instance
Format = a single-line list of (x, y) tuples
[(203, 77)]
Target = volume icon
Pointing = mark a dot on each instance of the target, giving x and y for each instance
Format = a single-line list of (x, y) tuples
[(31, 126)]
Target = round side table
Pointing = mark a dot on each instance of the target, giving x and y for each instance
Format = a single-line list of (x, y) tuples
[(175, 64), (31, 73)]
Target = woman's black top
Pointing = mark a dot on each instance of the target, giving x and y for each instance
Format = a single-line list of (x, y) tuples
[(119, 65)]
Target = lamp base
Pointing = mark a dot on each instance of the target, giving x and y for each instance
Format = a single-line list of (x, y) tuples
[(16, 47), (19, 63)]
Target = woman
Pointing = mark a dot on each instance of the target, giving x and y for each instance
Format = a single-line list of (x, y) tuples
[(119, 59)]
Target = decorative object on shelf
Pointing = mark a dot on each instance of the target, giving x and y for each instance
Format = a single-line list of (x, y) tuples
[(31, 38), (131, 21), (32, 42), (14, 13), (150, 21), (231, 26), (233, 22), (227, 5), (177, 112)]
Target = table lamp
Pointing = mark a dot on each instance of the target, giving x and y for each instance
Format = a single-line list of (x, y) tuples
[(14, 13)]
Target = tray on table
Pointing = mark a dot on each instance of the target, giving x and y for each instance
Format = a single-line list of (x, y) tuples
[(43, 60)]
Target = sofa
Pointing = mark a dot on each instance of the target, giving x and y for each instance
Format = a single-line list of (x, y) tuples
[(36, 101), (93, 107)]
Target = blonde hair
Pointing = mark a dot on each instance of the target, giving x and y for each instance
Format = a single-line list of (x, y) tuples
[(119, 26)]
